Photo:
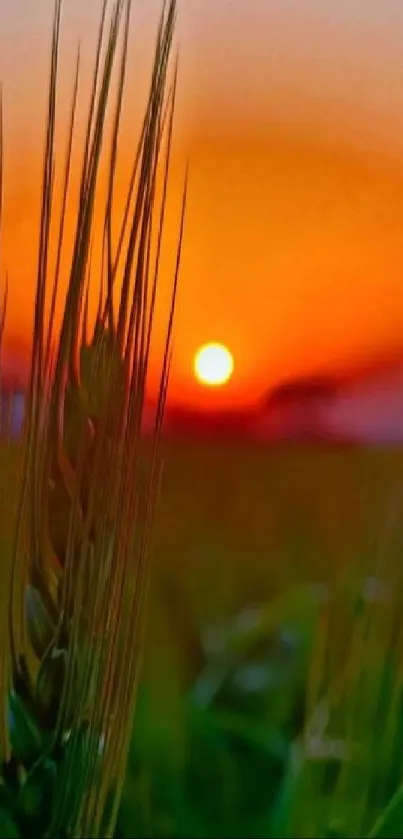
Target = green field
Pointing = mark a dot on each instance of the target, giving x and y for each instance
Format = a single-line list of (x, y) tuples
[(215, 732)]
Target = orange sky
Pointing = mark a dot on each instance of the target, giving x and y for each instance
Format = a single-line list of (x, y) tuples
[(291, 115)]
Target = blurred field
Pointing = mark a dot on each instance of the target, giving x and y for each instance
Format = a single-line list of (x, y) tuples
[(238, 530), (238, 524)]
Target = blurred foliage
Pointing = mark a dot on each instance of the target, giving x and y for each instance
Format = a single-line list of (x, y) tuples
[(209, 760), (245, 659), (292, 727)]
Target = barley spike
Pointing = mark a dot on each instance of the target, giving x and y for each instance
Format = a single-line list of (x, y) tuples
[(72, 640)]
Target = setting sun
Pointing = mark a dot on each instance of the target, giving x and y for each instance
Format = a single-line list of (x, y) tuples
[(213, 365)]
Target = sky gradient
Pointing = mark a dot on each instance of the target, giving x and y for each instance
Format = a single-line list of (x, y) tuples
[(291, 117)]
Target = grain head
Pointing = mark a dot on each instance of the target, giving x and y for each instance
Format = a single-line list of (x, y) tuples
[(80, 561)]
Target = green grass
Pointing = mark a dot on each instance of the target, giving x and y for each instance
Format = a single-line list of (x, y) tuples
[(244, 526)]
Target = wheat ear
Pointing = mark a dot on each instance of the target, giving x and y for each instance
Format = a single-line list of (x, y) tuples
[(88, 490)]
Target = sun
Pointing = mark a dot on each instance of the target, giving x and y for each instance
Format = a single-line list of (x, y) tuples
[(213, 365)]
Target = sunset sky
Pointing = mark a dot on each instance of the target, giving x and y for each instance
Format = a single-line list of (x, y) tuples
[(291, 117)]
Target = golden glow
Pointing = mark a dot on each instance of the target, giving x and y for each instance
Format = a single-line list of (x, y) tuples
[(213, 365), (292, 246)]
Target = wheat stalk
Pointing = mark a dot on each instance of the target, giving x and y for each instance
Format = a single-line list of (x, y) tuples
[(72, 644)]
